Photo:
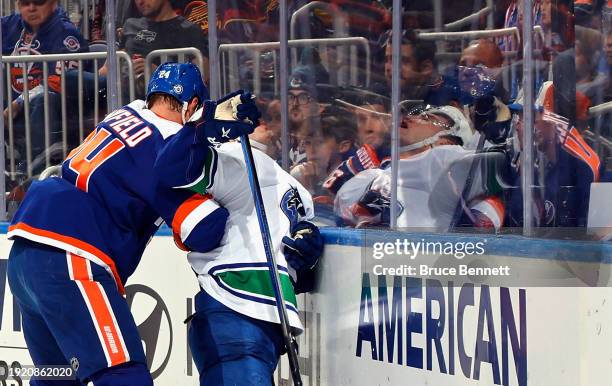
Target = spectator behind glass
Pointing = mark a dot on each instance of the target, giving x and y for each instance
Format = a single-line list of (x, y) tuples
[(373, 135), (306, 89), (40, 27), (565, 169), (125, 9), (591, 64), (511, 44), (419, 79), (267, 136), (553, 41), (158, 28), (372, 113), (481, 90), (326, 147), (563, 97), (372, 124), (556, 35), (240, 21)]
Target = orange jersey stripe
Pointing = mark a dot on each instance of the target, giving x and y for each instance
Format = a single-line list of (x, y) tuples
[(498, 205), (55, 83), (84, 165), (183, 211), (75, 243), (577, 146), (179, 242), (101, 311), (76, 149), (79, 269)]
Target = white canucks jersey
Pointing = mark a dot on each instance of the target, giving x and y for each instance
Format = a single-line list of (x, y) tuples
[(426, 197), (236, 272)]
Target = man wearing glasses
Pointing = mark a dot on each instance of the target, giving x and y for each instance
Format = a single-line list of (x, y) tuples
[(40, 27), (303, 105)]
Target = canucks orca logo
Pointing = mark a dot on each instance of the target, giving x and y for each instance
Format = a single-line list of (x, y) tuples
[(292, 206)]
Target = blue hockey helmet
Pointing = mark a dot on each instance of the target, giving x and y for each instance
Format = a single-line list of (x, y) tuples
[(181, 80)]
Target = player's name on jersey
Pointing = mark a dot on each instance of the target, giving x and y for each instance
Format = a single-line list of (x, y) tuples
[(130, 127), (427, 270)]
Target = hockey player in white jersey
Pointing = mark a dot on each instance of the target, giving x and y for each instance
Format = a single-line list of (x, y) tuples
[(432, 172), (234, 334)]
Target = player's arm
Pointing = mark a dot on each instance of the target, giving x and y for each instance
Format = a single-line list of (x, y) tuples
[(186, 154), (303, 246), (364, 200), (584, 176), (367, 157), (197, 220), (182, 158)]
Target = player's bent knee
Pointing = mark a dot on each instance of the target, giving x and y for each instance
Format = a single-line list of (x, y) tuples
[(127, 374)]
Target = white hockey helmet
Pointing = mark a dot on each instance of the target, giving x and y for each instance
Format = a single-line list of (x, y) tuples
[(459, 126)]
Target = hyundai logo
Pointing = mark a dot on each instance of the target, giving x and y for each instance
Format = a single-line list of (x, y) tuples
[(154, 325)]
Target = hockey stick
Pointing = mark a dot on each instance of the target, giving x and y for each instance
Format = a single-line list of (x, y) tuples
[(290, 343), (462, 204)]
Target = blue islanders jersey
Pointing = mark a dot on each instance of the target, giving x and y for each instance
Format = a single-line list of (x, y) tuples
[(563, 198), (108, 202), (56, 36)]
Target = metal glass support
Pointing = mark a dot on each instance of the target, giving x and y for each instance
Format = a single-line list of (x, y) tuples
[(284, 80), (112, 91), (213, 60), (395, 107), (527, 153), (2, 155)]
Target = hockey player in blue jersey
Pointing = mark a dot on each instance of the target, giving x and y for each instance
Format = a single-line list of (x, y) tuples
[(79, 237)]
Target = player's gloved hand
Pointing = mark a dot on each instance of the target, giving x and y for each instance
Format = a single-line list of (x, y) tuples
[(228, 118), (374, 206), (303, 249), (247, 110), (377, 206), (492, 118)]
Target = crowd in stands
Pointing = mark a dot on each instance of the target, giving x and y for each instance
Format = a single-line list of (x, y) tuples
[(461, 109)]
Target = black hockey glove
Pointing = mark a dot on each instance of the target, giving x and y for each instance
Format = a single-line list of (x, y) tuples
[(304, 248)]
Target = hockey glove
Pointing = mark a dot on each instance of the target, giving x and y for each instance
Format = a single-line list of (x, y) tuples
[(228, 118), (492, 118), (373, 206), (303, 249)]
